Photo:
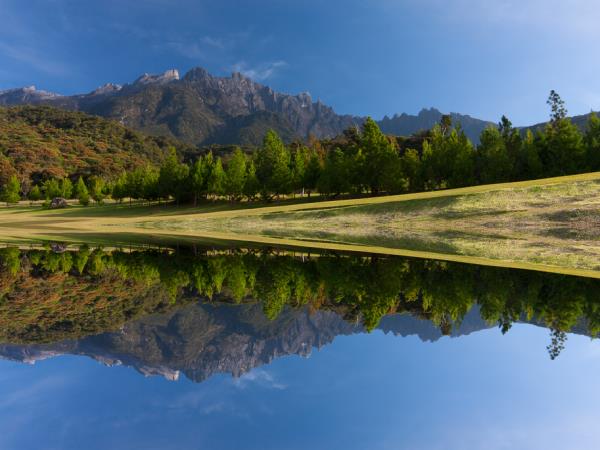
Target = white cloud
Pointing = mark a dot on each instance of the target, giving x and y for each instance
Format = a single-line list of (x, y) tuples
[(260, 377), (259, 72)]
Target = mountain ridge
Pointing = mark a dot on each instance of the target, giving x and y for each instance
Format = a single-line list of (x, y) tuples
[(201, 109)]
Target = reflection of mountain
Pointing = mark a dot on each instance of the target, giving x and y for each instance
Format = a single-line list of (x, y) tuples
[(407, 325), (202, 340), (141, 308)]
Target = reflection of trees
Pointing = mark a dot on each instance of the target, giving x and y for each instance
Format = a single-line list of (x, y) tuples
[(355, 286)]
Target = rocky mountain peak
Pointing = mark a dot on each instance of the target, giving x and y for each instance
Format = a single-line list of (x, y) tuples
[(108, 88), (197, 73), (166, 77)]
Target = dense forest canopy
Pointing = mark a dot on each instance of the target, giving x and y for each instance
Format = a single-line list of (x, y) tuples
[(361, 161), (70, 294)]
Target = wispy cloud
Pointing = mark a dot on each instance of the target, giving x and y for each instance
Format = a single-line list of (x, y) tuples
[(33, 58), (259, 72), (258, 377)]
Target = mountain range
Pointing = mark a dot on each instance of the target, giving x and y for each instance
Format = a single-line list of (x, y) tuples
[(202, 109)]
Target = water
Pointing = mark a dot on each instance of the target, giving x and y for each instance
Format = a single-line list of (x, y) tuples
[(229, 348)]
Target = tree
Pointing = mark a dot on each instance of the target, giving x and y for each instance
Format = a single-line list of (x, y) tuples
[(81, 192), (312, 173), (299, 162), (66, 188), (35, 193), (335, 177), (512, 142), (251, 184), (273, 166), (51, 189), (217, 179), (592, 143), (173, 177), (411, 169), (197, 181), (529, 164), (236, 175), (493, 162), (557, 107), (560, 145), (96, 189), (119, 188), (448, 159), (379, 157), (11, 191)]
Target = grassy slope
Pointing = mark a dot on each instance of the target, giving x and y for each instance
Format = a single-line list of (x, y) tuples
[(547, 224)]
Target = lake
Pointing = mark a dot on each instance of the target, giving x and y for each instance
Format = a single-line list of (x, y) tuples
[(264, 348)]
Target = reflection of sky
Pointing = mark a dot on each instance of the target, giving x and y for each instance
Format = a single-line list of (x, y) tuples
[(483, 391)]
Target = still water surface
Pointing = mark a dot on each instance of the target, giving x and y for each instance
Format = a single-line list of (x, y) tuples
[(227, 349)]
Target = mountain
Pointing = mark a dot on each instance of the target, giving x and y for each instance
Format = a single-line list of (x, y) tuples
[(198, 108), (201, 109), (37, 142), (406, 124)]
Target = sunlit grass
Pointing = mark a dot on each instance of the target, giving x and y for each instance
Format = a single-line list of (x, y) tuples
[(552, 223)]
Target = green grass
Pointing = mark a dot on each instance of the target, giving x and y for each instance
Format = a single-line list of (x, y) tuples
[(548, 224)]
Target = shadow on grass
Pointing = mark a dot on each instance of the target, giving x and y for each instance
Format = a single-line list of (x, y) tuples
[(401, 243)]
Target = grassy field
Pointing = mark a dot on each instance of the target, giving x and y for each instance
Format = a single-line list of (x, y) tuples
[(551, 224)]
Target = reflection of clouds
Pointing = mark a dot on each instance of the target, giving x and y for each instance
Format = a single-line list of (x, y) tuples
[(258, 377), (32, 392), (202, 402)]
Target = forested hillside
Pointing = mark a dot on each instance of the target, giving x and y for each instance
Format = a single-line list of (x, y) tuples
[(40, 142)]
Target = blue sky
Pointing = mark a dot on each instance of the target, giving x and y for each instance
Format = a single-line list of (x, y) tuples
[(378, 392), (376, 57)]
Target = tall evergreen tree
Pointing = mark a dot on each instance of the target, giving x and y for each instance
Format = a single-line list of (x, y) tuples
[(560, 145), (273, 166), (236, 175)]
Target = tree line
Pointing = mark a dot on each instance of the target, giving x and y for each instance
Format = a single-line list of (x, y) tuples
[(362, 161)]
